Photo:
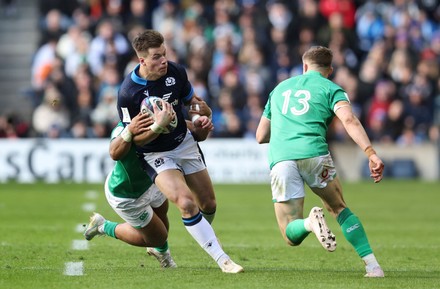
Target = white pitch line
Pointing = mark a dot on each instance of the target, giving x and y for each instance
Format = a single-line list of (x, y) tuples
[(80, 245), (91, 195), (74, 268)]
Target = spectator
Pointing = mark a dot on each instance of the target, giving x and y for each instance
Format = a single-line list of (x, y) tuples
[(418, 111), (85, 95), (13, 126), (109, 80), (227, 121), (370, 26), (394, 122), (243, 48), (54, 24), (107, 47), (105, 111), (138, 12), (77, 58), (346, 8), (51, 117), (252, 114), (42, 63)]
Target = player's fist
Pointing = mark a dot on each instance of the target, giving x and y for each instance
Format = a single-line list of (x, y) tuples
[(376, 168)]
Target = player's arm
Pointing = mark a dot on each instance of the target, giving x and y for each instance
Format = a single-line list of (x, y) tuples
[(357, 132), (120, 145), (263, 130), (162, 119)]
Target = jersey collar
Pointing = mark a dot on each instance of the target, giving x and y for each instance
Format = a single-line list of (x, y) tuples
[(136, 78), (314, 72)]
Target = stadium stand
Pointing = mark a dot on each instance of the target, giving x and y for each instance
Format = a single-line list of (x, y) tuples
[(404, 169), (387, 56)]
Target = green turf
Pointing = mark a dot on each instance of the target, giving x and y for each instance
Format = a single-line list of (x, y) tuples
[(38, 222)]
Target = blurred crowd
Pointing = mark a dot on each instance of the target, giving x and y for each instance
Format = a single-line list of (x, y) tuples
[(386, 56)]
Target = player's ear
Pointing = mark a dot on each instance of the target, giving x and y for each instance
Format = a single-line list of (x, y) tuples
[(142, 61), (330, 71)]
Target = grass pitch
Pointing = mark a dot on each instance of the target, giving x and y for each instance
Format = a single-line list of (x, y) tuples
[(41, 235)]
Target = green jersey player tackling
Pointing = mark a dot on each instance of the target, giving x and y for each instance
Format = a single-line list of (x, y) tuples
[(294, 123), (132, 194), (134, 197)]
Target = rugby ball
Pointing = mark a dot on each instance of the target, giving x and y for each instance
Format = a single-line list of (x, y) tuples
[(147, 107)]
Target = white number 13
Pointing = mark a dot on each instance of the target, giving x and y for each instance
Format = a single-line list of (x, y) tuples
[(301, 96)]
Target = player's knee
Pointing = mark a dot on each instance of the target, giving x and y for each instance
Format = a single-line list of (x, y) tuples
[(186, 205), (209, 206)]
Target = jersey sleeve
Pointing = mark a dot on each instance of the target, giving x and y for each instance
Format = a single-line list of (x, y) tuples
[(266, 112), (338, 95), (126, 108)]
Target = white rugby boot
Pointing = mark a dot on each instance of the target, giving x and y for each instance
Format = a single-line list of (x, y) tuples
[(95, 227), (321, 230), (228, 266), (165, 259), (374, 272)]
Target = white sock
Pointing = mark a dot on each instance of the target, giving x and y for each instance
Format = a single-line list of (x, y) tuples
[(203, 233), (307, 224), (370, 261)]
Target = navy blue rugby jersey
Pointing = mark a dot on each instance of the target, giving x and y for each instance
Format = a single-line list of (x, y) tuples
[(173, 87)]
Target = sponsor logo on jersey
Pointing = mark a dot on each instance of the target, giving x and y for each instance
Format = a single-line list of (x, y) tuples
[(180, 137), (175, 102), (158, 162), (352, 228), (167, 96), (143, 216), (170, 81), (125, 115), (146, 93)]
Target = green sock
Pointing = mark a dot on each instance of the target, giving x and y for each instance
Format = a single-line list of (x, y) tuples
[(208, 216), (296, 232), (354, 232), (109, 228), (163, 248)]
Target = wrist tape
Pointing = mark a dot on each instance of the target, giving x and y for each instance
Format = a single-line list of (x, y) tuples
[(126, 134), (195, 117), (370, 151), (157, 128)]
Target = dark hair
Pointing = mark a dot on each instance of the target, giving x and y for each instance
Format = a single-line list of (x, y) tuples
[(319, 55), (146, 40)]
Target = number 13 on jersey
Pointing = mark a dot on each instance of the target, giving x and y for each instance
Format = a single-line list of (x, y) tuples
[(301, 97)]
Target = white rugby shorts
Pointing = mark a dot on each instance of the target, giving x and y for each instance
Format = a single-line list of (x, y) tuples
[(186, 157), (288, 177), (136, 212)]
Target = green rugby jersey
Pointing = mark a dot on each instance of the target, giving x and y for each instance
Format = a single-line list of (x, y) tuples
[(127, 179), (300, 110)]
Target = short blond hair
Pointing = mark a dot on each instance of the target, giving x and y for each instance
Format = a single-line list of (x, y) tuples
[(318, 56)]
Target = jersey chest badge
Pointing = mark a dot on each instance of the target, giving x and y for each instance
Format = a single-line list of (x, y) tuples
[(169, 81)]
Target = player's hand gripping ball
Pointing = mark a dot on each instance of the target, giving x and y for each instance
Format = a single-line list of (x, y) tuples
[(147, 107)]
